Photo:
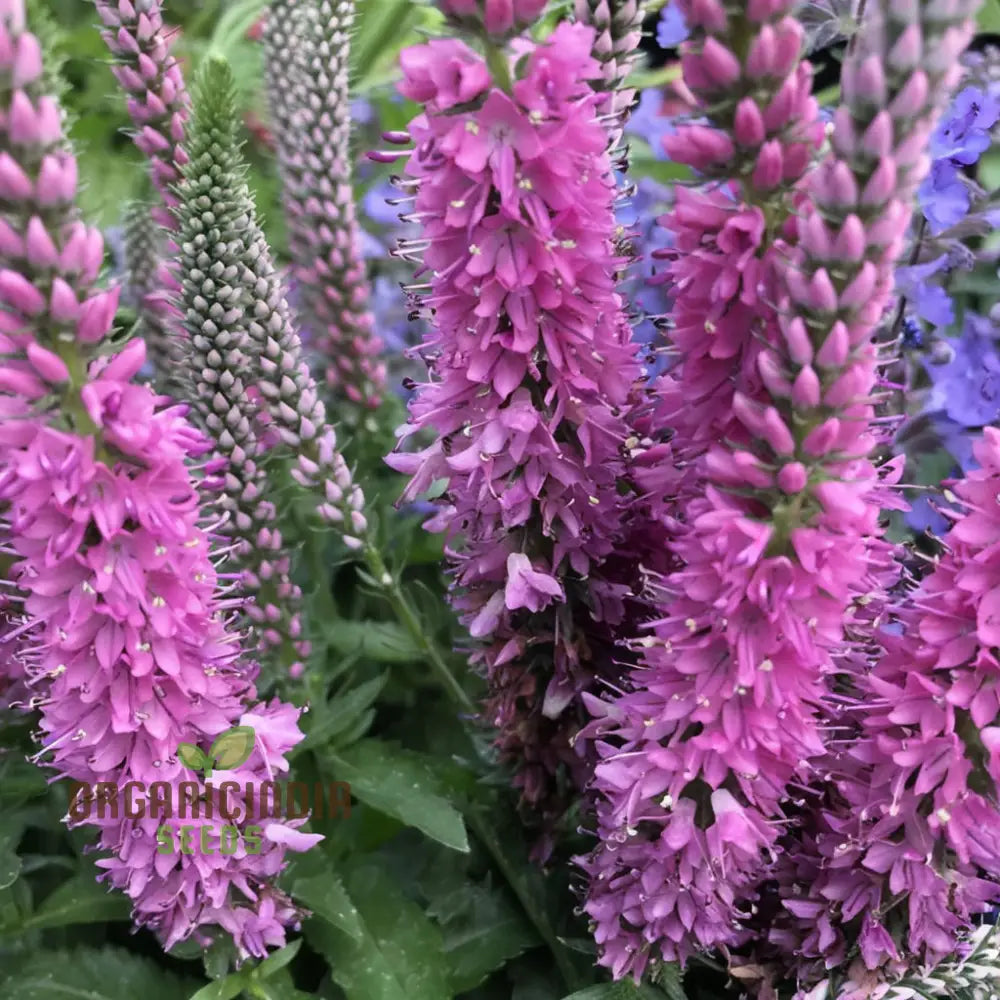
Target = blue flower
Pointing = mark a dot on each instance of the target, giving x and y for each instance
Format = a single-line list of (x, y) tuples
[(671, 30), (967, 387), (943, 197), (963, 133), (929, 300), (375, 204), (649, 123)]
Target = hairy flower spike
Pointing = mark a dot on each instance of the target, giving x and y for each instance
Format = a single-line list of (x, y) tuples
[(218, 306), (531, 365), (308, 65), (158, 104), (272, 346), (618, 31), (124, 639), (144, 242)]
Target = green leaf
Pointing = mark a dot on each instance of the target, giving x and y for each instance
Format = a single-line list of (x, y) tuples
[(399, 955), (313, 881), (11, 828), (80, 900), (92, 974), (192, 757), (401, 784), (382, 642), (989, 17), (342, 711), (483, 930), (277, 961), (232, 748), (222, 989), (670, 979)]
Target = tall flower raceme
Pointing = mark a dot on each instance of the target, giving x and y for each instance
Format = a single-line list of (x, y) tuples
[(838, 283), (159, 106), (264, 338), (218, 303), (308, 59), (125, 642), (698, 750), (143, 243), (618, 32), (906, 855), (729, 713), (531, 365)]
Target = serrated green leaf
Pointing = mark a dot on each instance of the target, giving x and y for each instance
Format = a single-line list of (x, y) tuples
[(482, 931), (80, 900), (92, 974), (399, 955), (670, 980), (382, 642), (232, 748), (342, 712), (401, 784), (312, 880), (222, 989)]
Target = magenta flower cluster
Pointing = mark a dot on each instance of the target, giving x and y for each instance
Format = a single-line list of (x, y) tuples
[(532, 371), (752, 740), (119, 624)]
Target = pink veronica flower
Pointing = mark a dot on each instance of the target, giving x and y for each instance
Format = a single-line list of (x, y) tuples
[(121, 634)]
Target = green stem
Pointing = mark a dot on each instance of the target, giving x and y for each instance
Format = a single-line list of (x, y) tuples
[(496, 60), (409, 620)]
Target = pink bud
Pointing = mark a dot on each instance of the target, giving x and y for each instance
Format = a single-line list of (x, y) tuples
[(721, 65), (800, 348), (707, 14), (777, 434), (861, 288), (768, 171), (881, 185), (760, 59), (865, 83), (907, 52), (20, 382), (840, 498), (793, 478), (850, 243), (96, 315), (14, 183), (853, 385), (814, 238), (127, 362), (49, 365), (27, 61), (877, 140), (57, 179), (63, 306), (771, 374), (788, 46), (748, 124), (806, 389), (819, 440), (19, 294), (835, 348), (40, 249)]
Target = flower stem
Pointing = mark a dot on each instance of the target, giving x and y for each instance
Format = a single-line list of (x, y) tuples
[(411, 622)]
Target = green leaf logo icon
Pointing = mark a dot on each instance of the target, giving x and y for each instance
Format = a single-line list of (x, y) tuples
[(231, 749), (191, 756)]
